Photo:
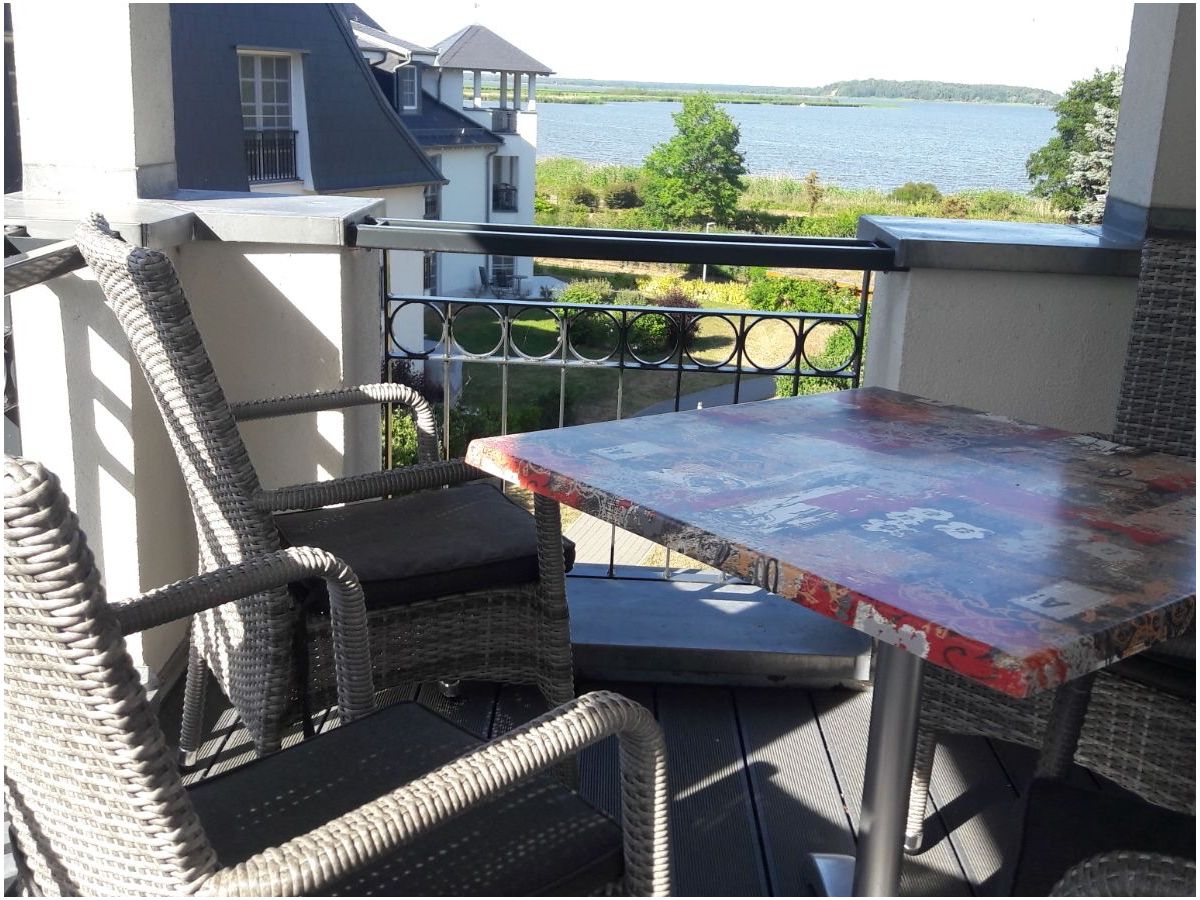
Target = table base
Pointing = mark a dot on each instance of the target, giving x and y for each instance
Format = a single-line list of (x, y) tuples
[(895, 711), (829, 874)]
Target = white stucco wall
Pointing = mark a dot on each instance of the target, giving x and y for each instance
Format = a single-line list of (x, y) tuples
[(87, 415), (464, 199), (136, 156), (1044, 348), (451, 87), (400, 203), (279, 320), (276, 319)]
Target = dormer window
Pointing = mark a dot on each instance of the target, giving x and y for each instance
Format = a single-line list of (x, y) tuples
[(407, 90), (269, 116), (266, 91)]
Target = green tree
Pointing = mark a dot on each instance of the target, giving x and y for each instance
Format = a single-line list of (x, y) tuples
[(696, 176), (1050, 167), (1091, 171)]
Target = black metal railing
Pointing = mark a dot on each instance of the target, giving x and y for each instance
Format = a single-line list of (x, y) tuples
[(433, 201), (504, 121), (504, 197), (501, 365), (270, 155)]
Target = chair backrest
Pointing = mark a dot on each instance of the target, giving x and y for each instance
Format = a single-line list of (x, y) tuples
[(1157, 408), (95, 802), (246, 644)]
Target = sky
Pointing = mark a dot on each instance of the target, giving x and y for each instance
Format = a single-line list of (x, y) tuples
[(791, 43)]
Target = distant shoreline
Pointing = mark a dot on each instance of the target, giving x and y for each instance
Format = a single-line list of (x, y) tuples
[(584, 91)]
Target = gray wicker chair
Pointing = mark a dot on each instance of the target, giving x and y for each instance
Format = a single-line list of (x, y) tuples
[(460, 583), (97, 806), (1105, 722), (1129, 875)]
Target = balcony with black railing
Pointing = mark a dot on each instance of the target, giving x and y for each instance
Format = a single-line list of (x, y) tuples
[(271, 155), (504, 121), (504, 197), (491, 362)]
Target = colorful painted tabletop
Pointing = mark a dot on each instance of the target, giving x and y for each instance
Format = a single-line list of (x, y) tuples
[(1017, 555)]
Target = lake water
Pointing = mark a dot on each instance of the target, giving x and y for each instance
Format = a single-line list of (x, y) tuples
[(957, 146)]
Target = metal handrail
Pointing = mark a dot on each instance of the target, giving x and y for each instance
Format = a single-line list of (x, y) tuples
[(621, 244), (40, 264)]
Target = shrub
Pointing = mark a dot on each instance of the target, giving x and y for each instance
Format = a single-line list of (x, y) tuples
[(799, 295), (843, 223), (542, 204), (954, 207), (836, 352), (570, 214), (622, 195), (628, 297), (587, 290), (582, 195), (758, 221), (993, 204), (590, 330), (916, 192)]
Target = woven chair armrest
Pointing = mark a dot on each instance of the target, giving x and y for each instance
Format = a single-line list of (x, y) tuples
[(428, 445), (347, 608), (1129, 874), (352, 488), (311, 862)]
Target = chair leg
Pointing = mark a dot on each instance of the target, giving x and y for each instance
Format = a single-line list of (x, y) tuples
[(557, 676), (451, 690), (918, 795), (193, 706), (1063, 729)]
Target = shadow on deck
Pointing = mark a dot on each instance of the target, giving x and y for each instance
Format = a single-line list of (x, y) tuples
[(758, 776)]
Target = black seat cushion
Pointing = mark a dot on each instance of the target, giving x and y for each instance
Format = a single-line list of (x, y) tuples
[(1065, 825), (537, 838), (424, 545)]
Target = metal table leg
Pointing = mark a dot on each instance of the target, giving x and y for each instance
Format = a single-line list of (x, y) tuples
[(891, 745), (895, 709)]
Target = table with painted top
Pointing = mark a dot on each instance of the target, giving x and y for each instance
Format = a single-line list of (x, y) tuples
[(1016, 555)]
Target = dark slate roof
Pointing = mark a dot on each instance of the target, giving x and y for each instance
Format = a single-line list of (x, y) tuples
[(386, 38), (356, 140), (477, 47), (356, 13), (439, 125)]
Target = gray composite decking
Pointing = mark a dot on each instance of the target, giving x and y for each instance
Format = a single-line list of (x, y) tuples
[(758, 778)]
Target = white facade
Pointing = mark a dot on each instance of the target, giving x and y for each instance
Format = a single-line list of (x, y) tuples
[(478, 175)]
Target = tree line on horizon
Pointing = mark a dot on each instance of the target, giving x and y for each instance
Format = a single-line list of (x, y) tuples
[(868, 87)]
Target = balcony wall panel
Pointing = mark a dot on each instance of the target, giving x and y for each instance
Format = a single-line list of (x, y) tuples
[(1047, 348)]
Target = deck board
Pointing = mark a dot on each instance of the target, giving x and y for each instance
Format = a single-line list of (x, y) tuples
[(844, 717), (977, 805), (795, 792), (715, 847), (759, 777), (599, 769)]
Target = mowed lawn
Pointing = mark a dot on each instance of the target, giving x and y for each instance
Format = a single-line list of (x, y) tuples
[(593, 391)]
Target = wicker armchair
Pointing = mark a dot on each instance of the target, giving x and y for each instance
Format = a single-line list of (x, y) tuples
[(97, 806), (460, 583), (1106, 722), (1129, 875)]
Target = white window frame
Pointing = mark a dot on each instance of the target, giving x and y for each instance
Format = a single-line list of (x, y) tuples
[(402, 102), (258, 81), (434, 191), (503, 265), (430, 273), (299, 111)]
